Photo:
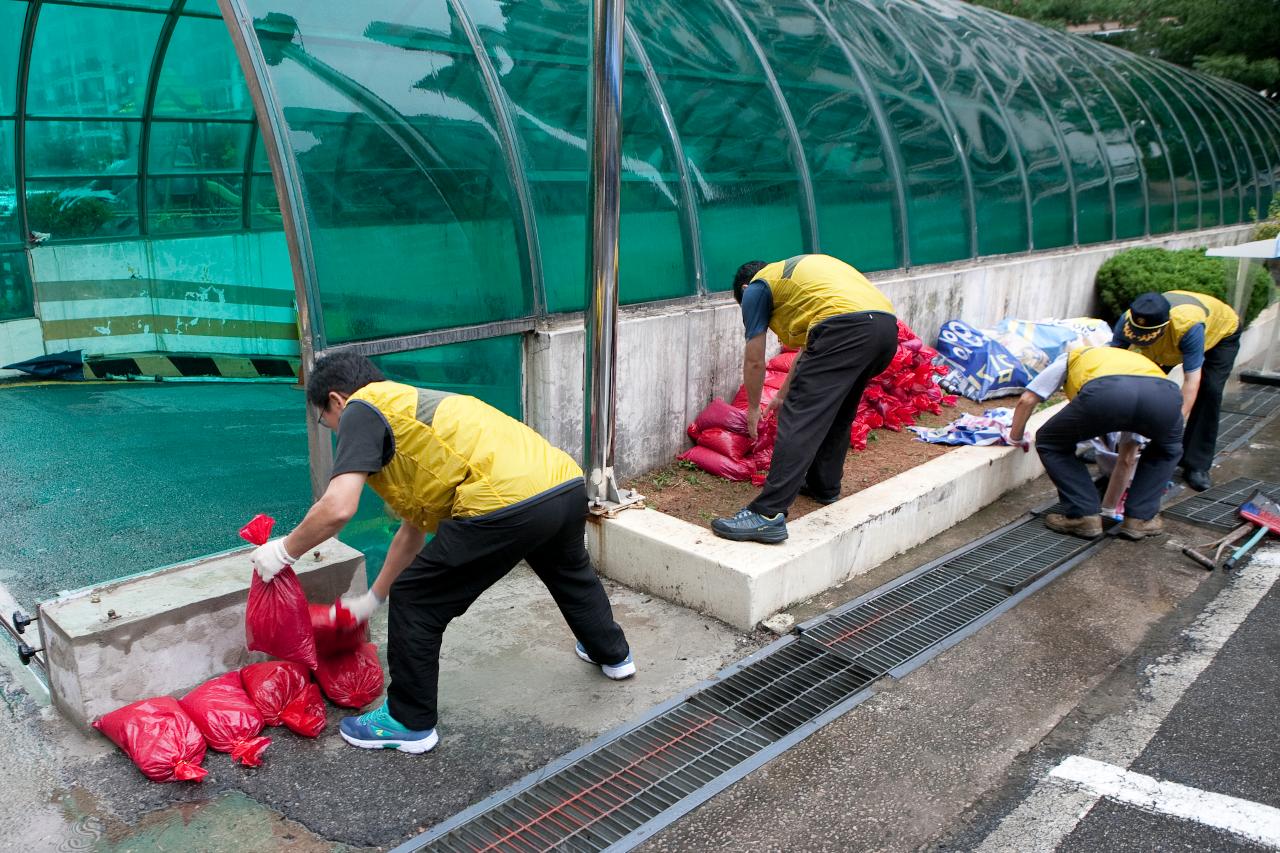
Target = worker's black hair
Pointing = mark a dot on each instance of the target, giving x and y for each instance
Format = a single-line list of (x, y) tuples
[(743, 277), (344, 372)]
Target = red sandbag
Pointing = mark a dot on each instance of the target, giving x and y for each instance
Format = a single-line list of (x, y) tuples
[(272, 685), (332, 639), (276, 620), (766, 438), (783, 360), (352, 679), (718, 464), (722, 415), (774, 379), (305, 715), (161, 739), (735, 445), (228, 718)]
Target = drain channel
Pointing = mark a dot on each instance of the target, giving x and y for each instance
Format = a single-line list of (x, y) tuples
[(1219, 507), (1258, 400)]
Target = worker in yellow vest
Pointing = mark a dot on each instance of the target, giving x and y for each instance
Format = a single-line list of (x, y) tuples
[(1110, 390), (847, 334), (493, 492), (1203, 335)]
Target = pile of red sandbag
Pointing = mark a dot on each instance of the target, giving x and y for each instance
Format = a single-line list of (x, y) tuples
[(167, 738), (892, 400)]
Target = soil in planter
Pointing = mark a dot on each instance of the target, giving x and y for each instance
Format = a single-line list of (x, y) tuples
[(689, 493)]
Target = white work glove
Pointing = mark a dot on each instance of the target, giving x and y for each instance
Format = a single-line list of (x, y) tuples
[(270, 559), (359, 607)]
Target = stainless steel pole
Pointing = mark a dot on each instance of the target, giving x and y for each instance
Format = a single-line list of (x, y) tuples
[(600, 354)]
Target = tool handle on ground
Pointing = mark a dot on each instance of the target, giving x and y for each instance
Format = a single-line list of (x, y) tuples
[(1244, 549), (1199, 558)]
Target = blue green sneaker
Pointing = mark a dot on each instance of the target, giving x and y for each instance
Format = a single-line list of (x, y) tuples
[(379, 730)]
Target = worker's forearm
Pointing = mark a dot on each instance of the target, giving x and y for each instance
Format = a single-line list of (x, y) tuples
[(1190, 390), (1121, 474), (1021, 414), (323, 521), (405, 545), (753, 379)]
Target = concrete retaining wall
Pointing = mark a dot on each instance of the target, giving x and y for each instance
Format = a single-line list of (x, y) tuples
[(19, 341), (167, 631), (672, 362)]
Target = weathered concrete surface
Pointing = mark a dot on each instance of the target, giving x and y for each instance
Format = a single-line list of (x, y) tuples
[(744, 582), (167, 631), (19, 341), (674, 360)]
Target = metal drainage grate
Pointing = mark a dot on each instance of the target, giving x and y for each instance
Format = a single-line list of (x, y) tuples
[(1259, 401), (783, 691), (1219, 507), (1018, 556), (609, 793), (891, 629), (1234, 429)]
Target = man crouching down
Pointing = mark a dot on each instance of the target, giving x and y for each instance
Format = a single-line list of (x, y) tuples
[(493, 492)]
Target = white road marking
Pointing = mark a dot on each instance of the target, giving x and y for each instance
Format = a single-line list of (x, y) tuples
[(1053, 809), (1247, 819)]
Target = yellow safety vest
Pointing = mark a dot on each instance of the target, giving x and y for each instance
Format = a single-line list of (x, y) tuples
[(1090, 363), (1187, 309), (808, 289), (458, 457)]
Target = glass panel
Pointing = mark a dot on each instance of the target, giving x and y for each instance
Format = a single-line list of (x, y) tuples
[(1169, 129), (197, 147), (264, 211), (82, 147), (1112, 135), (68, 210), (1223, 137), (732, 132), (1033, 125), (994, 166), (201, 76), (412, 222), (201, 7), (1139, 114), (101, 76), (9, 232), (935, 181), (15, 286), (136, 4), (12, 15), (853, 183), (195, 203), (1265, 150), (1206, 167), (1093, 195)]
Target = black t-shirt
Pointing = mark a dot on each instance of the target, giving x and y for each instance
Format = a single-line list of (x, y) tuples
[(365, 442)]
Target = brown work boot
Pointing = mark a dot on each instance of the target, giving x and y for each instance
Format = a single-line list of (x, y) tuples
[(1138, 528), (1087, 527)]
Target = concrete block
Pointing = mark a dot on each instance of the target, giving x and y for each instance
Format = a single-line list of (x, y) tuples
[(167, 631), (742, 583), (19, 341)]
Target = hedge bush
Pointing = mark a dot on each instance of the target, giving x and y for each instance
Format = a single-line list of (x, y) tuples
[(1136, 271)]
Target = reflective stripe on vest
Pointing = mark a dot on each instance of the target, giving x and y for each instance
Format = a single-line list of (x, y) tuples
[(458, 457), (1186, 310), (808, 289), (1090, 363)]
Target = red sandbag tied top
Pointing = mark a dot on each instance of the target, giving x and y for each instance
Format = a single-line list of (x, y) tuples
[(272, 685), (306, 714), (276, 620), (160, 737), (351, 679), (892, 401), (333, 634), (228, 718)]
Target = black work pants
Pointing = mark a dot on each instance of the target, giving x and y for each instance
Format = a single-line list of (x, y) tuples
[(466, 557), (1200, 441), (843, 354), (1147, 405)]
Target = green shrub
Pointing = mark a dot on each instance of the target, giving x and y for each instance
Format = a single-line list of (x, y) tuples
[(1269, 228), (1137, 271), (64, 218)]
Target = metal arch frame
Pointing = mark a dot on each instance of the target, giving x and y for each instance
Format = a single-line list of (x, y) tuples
[(20, 119), (148, 112), (1244, 99), (1193, 87), (246, 191), (1044, 44), (1159, 72), (1211, 96), (1137, 68), (888, 141), (531, 244), (1101, 50), (809, 219), (290, 192), (1133, 140), (1059, 137), (692, 230), (947, 120), (1015, 144)]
